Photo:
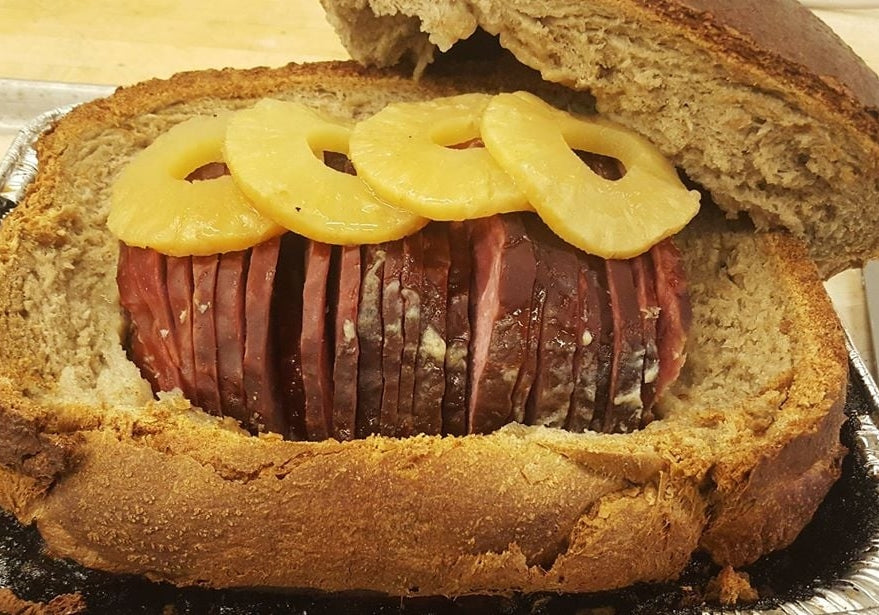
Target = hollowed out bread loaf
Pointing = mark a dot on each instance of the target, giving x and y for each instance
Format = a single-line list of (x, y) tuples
[(758, 100), (745, 448)]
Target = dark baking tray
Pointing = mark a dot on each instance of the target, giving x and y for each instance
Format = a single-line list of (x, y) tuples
[(833, 567)]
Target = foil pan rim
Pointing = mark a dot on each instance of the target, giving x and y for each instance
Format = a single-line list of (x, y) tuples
[(19, 165), (857, 591)]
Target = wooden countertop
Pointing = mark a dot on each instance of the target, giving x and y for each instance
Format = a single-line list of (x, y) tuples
[(118, 43)]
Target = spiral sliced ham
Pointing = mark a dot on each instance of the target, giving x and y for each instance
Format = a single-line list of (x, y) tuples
[(458, 329)]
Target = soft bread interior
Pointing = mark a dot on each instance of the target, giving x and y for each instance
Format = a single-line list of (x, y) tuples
[(140, 484), (800, 151)]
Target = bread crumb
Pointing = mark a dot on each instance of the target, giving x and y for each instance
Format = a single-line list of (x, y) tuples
[(730, 588)]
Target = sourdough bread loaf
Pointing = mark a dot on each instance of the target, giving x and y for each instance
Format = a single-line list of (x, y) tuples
[(759, 101), (746, 446)]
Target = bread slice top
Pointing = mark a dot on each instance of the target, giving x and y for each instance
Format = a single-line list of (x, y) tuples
[(127, 483), (758, 101)]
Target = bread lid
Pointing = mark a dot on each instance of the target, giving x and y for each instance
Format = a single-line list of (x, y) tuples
[(758, 101)]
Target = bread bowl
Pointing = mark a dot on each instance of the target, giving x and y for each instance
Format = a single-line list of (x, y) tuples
[(62, 458)]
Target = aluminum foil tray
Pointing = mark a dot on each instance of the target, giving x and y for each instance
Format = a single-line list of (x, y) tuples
[(833, 567)]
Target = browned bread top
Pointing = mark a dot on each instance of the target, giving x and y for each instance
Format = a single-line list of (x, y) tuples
[(760, 102), (746, 447), (783, 37)]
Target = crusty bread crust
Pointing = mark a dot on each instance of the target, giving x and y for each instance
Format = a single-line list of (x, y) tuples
[(736, 466)]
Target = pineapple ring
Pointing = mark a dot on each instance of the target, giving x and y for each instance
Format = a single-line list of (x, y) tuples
[(533, 142), (274, 150), (402, 153), (153, 205)]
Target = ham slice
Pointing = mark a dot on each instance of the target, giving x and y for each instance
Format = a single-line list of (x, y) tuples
[(179, 288), (229, 324), (675, 312), (648, 305), (457, 332), (624, 407), (347, 351), (410, 291), (430, 378), (145, 347), (370, 334), (150, 276), (392, 344), (557, 279), (594, 349), (315, 348), (504, 270), (264, 405), (204, 334), (289, 282)]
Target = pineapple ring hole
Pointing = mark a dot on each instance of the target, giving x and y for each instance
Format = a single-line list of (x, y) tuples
[(460, 132), (475, 142), (606, 167), (338, 161), (206, 172)]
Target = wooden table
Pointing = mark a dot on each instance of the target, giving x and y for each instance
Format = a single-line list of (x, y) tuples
[(117, 43)]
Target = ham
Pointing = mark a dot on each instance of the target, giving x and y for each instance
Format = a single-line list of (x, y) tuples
[(264, 406), (410, 292), (592, 357), (457, 329), (229, 324), (179, 288), (347, 349), (145, 348), (315, 349), (204, 334), (370, 336), (624, 406), (504, 270), (457, 332), (430, 379), (392, 343), (557, 279), (645, 283), (289, 283), (675, 312)]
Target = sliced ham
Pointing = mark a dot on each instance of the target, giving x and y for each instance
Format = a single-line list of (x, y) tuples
[(370, 334), (645, 282), (145, 348), (392, 342), (289, 282), (179, 288), (503, 278), (528, 371), (430, 378), (675, 312), (347, 350), (457, 332), (229, 325), (594, 350), (150, 276), (556, 280), (264, 406), (410, 291), (624, 407), (204, 334), (460, 328), (315, 348)]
